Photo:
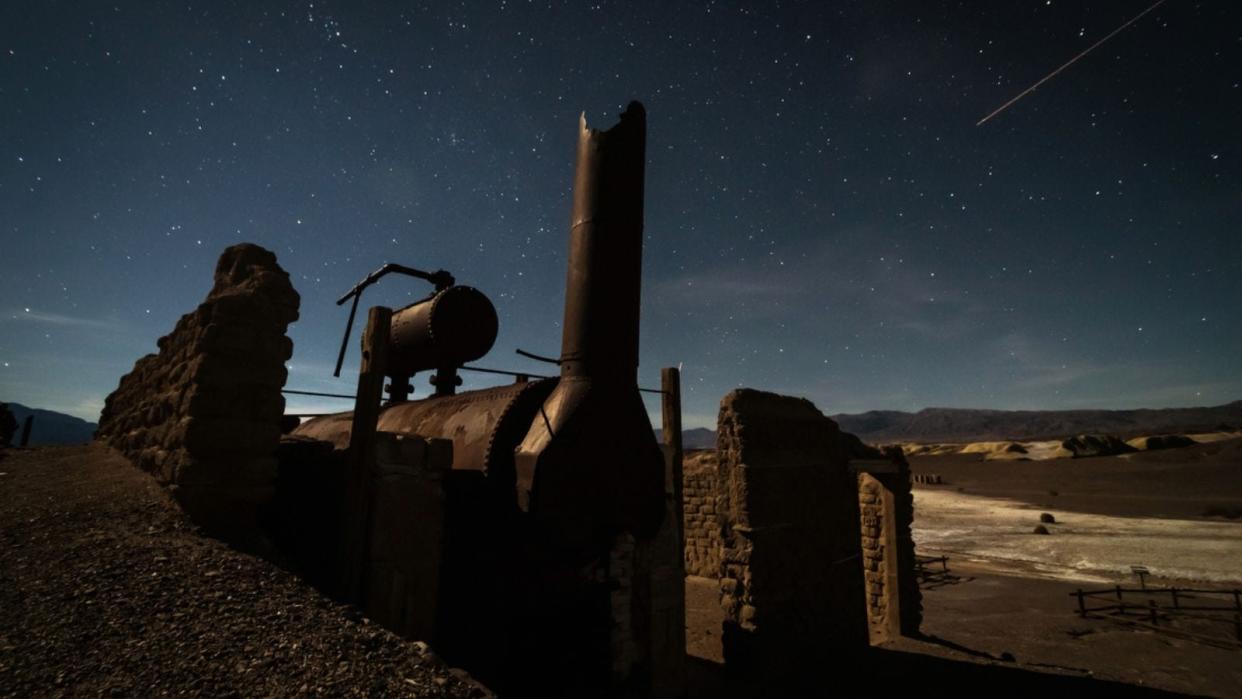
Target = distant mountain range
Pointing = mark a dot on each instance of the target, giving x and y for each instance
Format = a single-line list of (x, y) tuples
[(50, 427), (697, 438), (966, 425)]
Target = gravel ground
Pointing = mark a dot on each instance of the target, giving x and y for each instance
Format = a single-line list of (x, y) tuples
[(107, 589)]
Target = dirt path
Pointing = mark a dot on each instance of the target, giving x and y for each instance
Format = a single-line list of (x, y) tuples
[(106, 588)]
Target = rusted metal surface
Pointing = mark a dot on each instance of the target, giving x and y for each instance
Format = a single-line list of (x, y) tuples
[(587, 460), (604, 284), (441, 279), (591, 461), (484, 425), (455, 326), (556, 495)]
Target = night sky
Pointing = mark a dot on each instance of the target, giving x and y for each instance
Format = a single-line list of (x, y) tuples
[(823, 216)]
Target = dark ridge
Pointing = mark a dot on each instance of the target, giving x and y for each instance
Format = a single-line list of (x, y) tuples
[(960, 424), (50, 427)]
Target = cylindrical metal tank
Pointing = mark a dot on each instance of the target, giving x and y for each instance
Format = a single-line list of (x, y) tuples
[(484, 425), (452, 327)]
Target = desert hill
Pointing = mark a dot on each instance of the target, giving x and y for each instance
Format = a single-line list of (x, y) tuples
[(51, 427), (694, 438), (968, 425)]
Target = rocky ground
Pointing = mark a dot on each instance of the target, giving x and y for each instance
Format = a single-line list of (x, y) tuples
[(107, 589)]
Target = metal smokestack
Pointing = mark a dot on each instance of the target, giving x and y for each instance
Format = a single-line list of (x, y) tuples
[(590, 462), (604, 285)]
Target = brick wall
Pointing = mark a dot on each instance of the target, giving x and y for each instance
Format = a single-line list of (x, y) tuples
[(203, 415), (886, 506), (702, 527), (789, 512)]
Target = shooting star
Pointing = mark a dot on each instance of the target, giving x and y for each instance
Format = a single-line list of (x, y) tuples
[(1068, 63)]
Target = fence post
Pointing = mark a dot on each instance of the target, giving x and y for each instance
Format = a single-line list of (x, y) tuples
[(26, 430), (1176, 604), (1082, 605), (668, 577), (1155, 618)]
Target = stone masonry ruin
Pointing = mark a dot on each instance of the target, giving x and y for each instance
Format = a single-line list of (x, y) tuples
[(886, 504), (805, 528), (703, 546), (203, 415)]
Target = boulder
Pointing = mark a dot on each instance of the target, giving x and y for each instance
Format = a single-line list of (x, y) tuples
[(1163, 441), (1085, 445)]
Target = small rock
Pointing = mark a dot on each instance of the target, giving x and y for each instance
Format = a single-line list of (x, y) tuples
[(1041, 529), (1047, 518)]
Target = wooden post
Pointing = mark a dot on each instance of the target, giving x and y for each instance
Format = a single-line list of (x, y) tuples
[(670, 387), (361, 460), (1082, 605), (1155, 618), (26, 430), (1176, 605), (668, 632)]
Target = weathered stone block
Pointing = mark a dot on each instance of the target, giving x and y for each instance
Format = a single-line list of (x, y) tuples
[(213, 390)]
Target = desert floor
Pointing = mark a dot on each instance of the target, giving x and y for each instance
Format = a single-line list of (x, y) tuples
[(1174, 483), (1003, 618)]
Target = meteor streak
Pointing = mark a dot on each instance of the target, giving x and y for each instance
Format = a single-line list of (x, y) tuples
[(1068, 63)]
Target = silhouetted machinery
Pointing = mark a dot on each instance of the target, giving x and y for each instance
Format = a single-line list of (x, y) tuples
[(556, 482), (452, 326)]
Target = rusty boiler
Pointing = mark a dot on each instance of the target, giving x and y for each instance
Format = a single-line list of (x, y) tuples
[(555, 483)]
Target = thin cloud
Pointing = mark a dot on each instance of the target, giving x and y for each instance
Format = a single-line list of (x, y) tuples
[(901, 293), (26, 315)]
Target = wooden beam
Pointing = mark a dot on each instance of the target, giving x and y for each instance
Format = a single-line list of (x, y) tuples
[(668, 594), (360, 465)]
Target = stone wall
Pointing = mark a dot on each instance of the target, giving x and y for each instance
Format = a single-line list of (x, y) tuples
[(203, 415), (788, 507), (886, 504), (702, 527)]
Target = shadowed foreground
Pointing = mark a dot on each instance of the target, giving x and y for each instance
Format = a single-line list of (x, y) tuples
[(107, 588)]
